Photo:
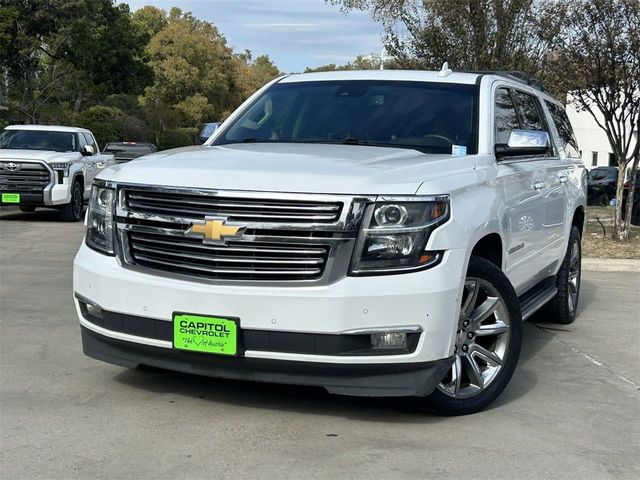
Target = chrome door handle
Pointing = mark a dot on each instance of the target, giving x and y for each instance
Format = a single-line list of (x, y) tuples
[(539, 185), (562, 178)]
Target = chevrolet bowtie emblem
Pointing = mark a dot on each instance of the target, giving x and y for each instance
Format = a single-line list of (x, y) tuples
[(215, 231)]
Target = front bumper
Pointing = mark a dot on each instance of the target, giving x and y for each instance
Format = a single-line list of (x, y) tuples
[(51, 196), (427, 301), (374, 379)]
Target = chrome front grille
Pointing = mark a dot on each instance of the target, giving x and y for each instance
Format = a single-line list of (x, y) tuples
[(288, 239), (23, 177), (234, 209), (235, 261)]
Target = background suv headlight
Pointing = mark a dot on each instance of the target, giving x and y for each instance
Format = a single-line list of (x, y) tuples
[(100, 219), (394, 234)]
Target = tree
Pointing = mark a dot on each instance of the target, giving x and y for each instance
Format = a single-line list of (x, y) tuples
[(192, 67), (68, 51), (469, 34), (361, 62), (597, 60)]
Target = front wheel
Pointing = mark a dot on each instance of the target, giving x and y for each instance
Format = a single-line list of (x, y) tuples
[(72, 212), (487, 345)]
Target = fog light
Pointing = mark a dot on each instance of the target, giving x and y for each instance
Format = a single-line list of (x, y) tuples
[(389, 340), (94, 310)]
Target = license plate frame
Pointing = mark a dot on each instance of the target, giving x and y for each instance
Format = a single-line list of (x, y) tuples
[(200, 334)]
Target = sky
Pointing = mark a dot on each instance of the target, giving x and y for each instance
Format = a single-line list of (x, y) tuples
[(294, 33)]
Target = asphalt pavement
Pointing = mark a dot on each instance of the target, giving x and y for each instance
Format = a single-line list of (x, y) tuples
[(572, 409)]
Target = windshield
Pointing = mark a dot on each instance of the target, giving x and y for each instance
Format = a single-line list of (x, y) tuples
[(38, 140), (430, 117)]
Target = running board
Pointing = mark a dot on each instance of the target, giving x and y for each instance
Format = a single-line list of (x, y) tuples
[(535, 298)]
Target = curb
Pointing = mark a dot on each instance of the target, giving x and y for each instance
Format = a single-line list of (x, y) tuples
[(611, 264)]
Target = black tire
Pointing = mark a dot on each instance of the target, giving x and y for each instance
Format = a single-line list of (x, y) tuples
[(562, 308), (443, 403), (72, 211), (27, 209)]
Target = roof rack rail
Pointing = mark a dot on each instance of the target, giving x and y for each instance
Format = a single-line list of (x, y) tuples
[(517, 75)]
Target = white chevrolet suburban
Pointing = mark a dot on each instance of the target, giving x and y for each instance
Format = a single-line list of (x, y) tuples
[(375, 233), (49, 166)]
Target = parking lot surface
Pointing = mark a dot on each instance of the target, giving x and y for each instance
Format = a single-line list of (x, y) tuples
[(572, 409)]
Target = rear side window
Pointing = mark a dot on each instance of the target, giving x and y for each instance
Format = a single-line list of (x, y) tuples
[(528, 111), (567, 137), (506, 116)]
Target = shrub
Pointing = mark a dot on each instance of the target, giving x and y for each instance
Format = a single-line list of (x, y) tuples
[(106, 123), (178, 137)]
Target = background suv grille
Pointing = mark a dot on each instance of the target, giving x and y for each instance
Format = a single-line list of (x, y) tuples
[(234, 209), (28, 178)]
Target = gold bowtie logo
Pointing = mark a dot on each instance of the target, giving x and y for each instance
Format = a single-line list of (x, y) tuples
[(215, 230)]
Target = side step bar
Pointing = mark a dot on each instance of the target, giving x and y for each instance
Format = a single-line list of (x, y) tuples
[(535, 298)]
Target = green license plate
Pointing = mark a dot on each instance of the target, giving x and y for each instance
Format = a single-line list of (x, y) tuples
[(198, 333), (10, 198)]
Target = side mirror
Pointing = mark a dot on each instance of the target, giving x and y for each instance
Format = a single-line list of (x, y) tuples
[(524, 142), (87, 150)]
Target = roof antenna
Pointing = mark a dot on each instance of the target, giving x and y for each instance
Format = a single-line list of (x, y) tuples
[(445, 71)]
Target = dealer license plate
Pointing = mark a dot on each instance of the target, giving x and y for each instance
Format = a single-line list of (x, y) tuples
[(10, 198), (199, 333)]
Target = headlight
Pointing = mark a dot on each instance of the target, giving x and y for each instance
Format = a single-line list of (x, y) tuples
[(100, 220), (394, 235), (62, 166)]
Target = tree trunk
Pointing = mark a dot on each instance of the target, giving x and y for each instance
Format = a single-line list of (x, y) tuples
[(629, 206), (619, 231)]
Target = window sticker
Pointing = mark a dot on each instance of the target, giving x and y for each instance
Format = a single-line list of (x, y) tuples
[(458, 150)]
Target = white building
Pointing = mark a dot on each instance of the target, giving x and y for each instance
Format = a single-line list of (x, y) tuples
[(592, 140)]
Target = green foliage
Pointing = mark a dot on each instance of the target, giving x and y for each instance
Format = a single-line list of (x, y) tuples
[(177, 137), (128, 76), (360, 63), (106, 123)]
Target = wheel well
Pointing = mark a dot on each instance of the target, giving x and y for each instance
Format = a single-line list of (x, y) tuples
[(79, 178), (489, 247), (578, 219)]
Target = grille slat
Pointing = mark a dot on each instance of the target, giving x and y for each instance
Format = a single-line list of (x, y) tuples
[(176, 241), (241, 209), (228, 259), (29, 177), (230, 273)]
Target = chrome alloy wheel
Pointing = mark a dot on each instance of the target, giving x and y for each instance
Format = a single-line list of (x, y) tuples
[(574, 275), (482, 341)]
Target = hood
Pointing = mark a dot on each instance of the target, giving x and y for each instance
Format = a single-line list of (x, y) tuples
[(299, 168), (46, 155)]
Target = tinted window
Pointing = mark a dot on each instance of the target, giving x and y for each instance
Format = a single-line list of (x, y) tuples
[(39, 140), (430, 117), (506, 117), (602, 174), (565, 131), (527, 109)]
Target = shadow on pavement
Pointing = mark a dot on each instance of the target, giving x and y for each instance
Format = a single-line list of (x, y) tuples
[(10, 214)]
